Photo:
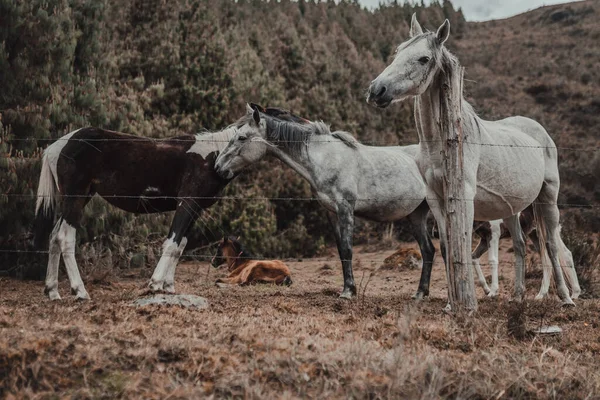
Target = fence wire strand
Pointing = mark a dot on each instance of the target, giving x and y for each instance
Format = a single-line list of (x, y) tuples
[(330, 139)]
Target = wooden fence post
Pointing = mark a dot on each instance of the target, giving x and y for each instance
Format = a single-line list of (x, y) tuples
[(459, 269)]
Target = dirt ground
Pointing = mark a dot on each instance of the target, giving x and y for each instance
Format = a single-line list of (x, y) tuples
[(296, 342)]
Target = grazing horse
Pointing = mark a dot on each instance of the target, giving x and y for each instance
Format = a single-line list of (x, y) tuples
[(244, 270), (378, 183), (133, 173), (508, 164)]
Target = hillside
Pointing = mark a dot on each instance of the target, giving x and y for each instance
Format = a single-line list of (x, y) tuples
[(544, 64), (157, 69)]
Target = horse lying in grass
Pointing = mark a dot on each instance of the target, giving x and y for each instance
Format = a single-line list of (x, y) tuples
[(244, 269), (133, 173)]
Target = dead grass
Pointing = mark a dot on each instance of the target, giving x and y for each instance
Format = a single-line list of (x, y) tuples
[(302, 341)]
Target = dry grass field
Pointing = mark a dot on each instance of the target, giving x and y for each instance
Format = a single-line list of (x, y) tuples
[(296, 342)]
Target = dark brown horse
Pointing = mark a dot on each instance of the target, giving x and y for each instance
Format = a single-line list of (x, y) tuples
[(136, 174), (244, 269)]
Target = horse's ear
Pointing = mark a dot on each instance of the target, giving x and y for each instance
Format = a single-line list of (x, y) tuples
[(249, 109), (256, 116), (258, 107), (443, 32), (415, 27), (225, 239)]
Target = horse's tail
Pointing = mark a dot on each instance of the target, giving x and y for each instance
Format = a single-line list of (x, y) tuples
[(540, 225), (45, 207), (566, 261)]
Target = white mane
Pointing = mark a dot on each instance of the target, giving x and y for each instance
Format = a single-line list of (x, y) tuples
[(209, 142)]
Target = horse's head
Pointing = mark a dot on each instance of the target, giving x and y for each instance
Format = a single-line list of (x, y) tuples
[(228, 251), (250, 144), (415, 64)]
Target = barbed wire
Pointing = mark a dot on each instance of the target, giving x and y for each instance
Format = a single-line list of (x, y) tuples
[(266, 198), (332, 140), (290, 259)]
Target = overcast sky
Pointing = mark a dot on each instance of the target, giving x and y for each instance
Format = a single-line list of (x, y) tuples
[(483, 10)]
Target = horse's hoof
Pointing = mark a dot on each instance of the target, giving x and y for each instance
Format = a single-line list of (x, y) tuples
[(447, 309), (540, 296), (169, 288), (492, 294), (418, 296), (575, 295), (568, 303), (346, 294), (220, 284), (82, 296), (52, 294), (156, 286)]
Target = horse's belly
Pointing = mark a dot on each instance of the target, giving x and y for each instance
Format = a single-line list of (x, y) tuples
[(507, 191)]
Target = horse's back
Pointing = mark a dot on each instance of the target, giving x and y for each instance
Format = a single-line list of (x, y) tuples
[(265, 271), (411, 150)]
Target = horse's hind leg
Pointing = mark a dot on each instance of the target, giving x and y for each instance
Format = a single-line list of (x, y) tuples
[(480, 250), (51, 287), (163, 277), (418, 221), (547, 216), (72, 213), (514, 227), (493, 256), (566, 260)]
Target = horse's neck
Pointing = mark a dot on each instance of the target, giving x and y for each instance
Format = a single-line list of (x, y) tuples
[(298, 162), (234, 262), (428, 119)]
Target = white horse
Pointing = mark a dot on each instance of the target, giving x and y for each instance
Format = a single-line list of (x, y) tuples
[(508, 164), (377, 183)]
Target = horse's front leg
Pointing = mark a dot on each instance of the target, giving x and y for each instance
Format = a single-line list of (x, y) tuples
[(163, 278), (345, 223), (514, 227), (418, 221), (481, 249), (436, 205)]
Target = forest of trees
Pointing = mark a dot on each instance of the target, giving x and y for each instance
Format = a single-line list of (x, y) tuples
[(157, 69)]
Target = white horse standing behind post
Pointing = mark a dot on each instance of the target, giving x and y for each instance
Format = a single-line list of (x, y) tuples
[(508, 164)]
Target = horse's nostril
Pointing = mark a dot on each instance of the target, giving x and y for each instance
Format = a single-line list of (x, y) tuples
[(381, 91)]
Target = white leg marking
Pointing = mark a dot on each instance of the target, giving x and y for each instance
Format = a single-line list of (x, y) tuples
[(480, 276), (170, 253), (493, 256), (169, 285), (66, 238), (51, 288)]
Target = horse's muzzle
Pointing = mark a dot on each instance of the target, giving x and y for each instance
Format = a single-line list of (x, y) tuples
[(378, 95)]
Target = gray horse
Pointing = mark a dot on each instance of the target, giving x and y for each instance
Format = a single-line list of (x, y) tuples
[(508, 164), (377, 183)]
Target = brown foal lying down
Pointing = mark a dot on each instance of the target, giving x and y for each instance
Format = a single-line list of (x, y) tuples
[(243, 270)]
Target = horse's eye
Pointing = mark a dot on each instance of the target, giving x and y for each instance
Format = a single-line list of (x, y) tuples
[(424, 60), (242, 138)]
